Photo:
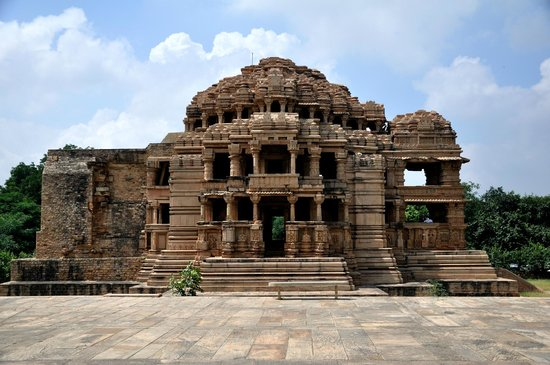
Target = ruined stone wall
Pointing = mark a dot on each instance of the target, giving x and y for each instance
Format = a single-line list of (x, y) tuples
[(76, 269), (92, 203)]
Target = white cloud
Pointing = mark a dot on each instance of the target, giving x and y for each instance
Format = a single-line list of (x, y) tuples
[(503, 129), (82, 89), (408, 35), (177, 45), (260, 41)]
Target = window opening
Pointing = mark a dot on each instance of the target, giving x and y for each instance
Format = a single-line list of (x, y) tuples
[(420, 174), (328, 165), (302, 209), (219, 210), (244, 209), (228, 117), (303, 113), (275, 106), (212, 120), (247, 164), (163, 173), (276, 159), (164, 213), (221, 166), (330, 209)]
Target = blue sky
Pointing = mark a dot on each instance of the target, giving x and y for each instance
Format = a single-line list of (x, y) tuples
[(112, 74)]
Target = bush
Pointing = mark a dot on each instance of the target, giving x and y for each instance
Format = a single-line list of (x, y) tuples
[(188, 282), (530, 261), (437, 288), (5, 259)]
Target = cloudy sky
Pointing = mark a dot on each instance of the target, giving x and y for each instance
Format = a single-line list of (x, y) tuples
[(110, 74)]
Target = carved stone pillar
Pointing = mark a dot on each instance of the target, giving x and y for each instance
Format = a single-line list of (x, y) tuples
[(345, 118), (204, 120), (154, 241), (341, 158), (292, 199), (255, 198), (204, 201), (151, 173), (235, 160), (220, 115), (319, 199), (311, 112), (315, 156), (256, 159), (239, 111), (208, 161), (293, 149), (346, 202), (155, 207), (229, 200)]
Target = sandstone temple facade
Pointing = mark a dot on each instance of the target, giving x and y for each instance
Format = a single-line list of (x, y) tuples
[(278, 174)]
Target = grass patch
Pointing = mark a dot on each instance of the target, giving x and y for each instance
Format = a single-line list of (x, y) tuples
[(544, 284), (533, 294)]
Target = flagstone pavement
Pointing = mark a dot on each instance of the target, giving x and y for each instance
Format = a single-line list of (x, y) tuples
[(264, 330)]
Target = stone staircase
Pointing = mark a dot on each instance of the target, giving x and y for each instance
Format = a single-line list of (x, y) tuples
[(377, 266), (147, 266), (254, 274), (157, 269), (441, 265), (462, 273)]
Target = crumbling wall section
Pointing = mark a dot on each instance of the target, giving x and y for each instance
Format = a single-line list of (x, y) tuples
[(92, 203), (76, 269)]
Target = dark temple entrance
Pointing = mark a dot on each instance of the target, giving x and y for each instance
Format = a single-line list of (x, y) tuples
[(274, 216)]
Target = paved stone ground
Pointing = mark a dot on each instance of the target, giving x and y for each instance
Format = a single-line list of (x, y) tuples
[(250, 330)]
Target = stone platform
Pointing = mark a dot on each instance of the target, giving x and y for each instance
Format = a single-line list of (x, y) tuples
[(264, 330)]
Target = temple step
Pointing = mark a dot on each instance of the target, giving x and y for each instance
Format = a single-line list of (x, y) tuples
[(157, 268), (251, 274), (377, 266), (463, 264)]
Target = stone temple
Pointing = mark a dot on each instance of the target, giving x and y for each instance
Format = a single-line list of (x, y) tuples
[(279, 175)]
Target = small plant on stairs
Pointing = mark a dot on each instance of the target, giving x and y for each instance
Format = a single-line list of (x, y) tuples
[(437, 288), (188, 282)]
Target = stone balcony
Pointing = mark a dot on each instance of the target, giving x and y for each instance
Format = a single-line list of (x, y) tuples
[(273, 181)]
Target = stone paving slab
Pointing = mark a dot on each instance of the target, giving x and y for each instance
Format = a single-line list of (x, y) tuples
[(265, 330)]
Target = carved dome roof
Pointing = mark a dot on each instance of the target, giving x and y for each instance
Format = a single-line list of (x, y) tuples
[(281, 80), (421, 120)]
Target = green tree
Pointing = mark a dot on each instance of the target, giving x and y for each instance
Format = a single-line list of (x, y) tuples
[(278, 230), (416, 213), (513, 229)]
